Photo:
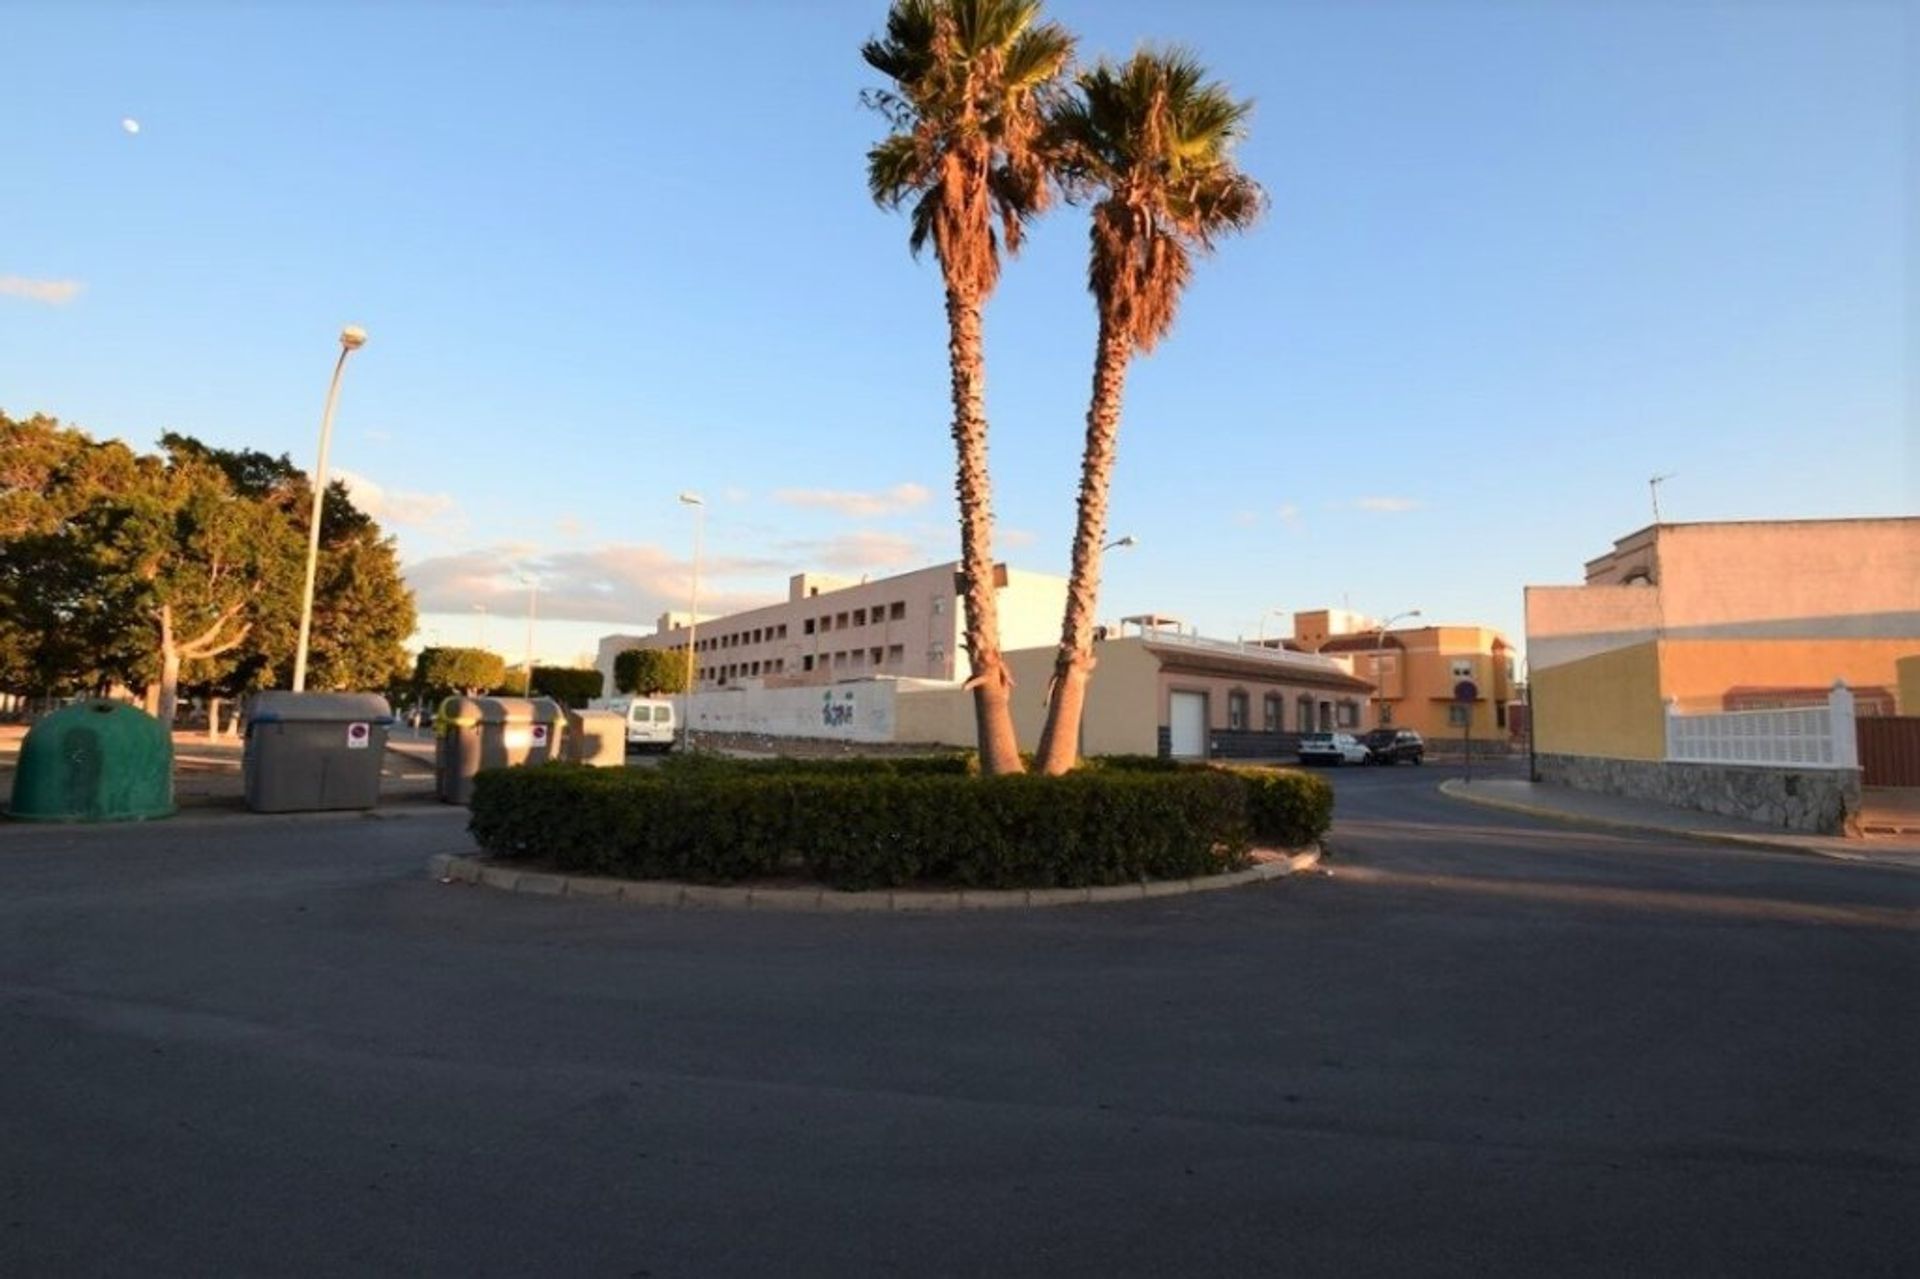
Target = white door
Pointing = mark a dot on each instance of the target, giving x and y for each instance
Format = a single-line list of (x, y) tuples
[(1189, 725)]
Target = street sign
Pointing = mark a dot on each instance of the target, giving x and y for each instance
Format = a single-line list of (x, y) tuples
[(358, 735), (539, 734), (1466, 691)]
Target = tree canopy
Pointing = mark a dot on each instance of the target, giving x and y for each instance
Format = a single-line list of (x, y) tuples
[(182, 568), (650, 671), (442, 672)]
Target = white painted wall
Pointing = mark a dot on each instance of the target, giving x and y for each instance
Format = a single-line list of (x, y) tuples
[(855, 711)]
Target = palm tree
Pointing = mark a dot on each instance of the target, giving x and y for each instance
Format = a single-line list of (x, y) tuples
[(972, 81), (1150, 142)]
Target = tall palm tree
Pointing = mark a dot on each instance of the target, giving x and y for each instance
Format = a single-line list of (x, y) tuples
[(1150, 143), (972, 81)]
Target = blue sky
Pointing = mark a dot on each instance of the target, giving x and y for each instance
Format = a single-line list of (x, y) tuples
[(1520, 257)]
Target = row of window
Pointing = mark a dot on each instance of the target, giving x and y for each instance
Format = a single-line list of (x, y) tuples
[(855, 617), (847, 659), (734, 639), (1346, 714)]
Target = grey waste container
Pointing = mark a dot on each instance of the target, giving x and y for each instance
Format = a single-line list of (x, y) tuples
[(472, 733), (597, 738), (313, 751)]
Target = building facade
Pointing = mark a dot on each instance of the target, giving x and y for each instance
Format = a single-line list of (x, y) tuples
[(1720, 617), (909, 626), (1416, 671)]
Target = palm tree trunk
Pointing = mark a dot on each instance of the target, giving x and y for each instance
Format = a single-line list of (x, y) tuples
[(991, 684), (1073, 666)]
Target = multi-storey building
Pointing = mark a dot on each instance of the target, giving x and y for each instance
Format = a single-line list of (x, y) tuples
[(1417, 670), (832, 628)]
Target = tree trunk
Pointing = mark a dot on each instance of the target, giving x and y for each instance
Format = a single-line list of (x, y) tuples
[(169, 686), (1073, 665), (213, 718), (991, 684)]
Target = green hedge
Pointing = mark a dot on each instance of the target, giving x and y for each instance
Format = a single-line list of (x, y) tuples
[(866, 823)]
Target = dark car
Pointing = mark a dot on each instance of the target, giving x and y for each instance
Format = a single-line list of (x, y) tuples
[(1391, 745)]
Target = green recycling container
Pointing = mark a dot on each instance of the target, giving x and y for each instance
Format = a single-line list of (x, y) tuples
[(94, 761)]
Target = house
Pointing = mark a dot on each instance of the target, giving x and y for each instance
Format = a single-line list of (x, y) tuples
[(1416, 671), (1709, 622)]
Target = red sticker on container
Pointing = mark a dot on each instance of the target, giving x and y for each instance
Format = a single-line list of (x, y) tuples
[(358, 735), (539, 734)]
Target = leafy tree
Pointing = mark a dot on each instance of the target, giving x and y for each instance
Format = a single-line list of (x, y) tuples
[(650, 672), (181, 570), (442, 672), (569, 685), (1150, 142), (971, 81)]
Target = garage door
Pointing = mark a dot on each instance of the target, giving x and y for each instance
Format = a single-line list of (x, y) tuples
[(1189, 725)]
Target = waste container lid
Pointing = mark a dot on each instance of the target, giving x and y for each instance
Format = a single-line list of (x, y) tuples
[(467, 711), (281, 706)]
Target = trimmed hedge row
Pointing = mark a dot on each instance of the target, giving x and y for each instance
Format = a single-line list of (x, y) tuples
[(874, 823)]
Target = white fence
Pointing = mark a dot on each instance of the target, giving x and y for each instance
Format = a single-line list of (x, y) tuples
[(1804, 737)]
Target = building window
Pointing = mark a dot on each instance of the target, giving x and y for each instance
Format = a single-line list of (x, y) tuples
[(1303, 721), (840, 620), (939, 605), (877, 656), (1386, 713), (806, 663), (1270, 707), (896, 654), (1349, 713), (859, 617), (1237, 711), (782, 629), (1463, 668), (897, 610), (1457, 714), (808, 626)]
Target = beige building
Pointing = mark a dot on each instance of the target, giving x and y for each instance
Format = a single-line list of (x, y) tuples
[(1716, 618), (1162, 692), (1416, 671), (908, 626)]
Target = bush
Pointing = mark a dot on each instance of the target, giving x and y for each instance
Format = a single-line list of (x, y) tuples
[(1286, 809), (870, 822)]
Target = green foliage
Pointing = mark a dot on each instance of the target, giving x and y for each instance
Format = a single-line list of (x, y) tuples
[(650, 672), (442, 672), (568, 685), (121, 567), (865, 823)]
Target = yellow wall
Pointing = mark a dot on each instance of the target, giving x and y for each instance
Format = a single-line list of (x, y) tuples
[(1607, 705), (1909, 670), (1699, 672)]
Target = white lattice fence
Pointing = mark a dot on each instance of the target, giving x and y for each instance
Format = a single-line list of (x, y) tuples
[(1806, 737)]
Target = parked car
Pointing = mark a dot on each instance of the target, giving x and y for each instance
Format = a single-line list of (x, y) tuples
[(1391, 745), (650, 721), (1330, 748)]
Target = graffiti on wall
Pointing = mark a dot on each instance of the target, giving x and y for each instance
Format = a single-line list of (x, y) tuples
[(836, 713)]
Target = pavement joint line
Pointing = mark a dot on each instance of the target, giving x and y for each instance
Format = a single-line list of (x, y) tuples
[(469, 868), (1451, 788)]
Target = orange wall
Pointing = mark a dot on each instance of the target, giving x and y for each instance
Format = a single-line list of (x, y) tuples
[(1699, 672)]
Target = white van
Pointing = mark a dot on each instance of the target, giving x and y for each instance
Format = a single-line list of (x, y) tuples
[(650, 721)]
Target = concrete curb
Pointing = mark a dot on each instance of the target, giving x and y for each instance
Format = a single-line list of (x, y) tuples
[(461, 868), (1452, 789)]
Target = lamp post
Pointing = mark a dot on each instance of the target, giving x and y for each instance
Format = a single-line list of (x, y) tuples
[(481, 609), (699, 505), (1380, 689), (533, 600), (352, 338)]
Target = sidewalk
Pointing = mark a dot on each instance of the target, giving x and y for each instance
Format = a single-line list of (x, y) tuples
[(1615, 812)]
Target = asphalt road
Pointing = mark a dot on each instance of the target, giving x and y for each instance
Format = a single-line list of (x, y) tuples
[(1481, 1045)]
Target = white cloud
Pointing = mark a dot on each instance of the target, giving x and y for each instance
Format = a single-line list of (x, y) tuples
[(1386, 505), (52, 292), (892, 501), (394, 506), (1289, 514), (616, 582), (865, 551)]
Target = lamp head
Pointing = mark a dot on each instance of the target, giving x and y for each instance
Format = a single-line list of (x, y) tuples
[(353, 337), (693, 499)]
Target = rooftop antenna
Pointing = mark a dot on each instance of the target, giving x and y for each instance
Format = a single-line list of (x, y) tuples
[(1653, 488)]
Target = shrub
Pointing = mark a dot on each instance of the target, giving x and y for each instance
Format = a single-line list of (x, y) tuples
[(869, 822), (1285, 808)]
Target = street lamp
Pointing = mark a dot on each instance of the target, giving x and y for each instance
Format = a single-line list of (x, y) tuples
[(481, 609), (1121, 543), (352, 338), (1380, 683), (533, 600), (699, 505)]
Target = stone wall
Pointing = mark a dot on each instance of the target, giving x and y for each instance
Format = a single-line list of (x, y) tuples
[(1822, 801)]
